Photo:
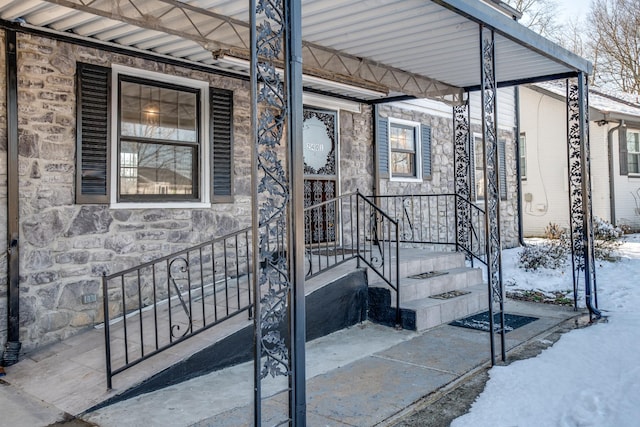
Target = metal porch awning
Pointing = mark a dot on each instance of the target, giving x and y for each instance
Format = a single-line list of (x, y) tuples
[(363, 49)]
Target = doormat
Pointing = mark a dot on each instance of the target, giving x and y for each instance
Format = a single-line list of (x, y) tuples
[(481, 321), (428, 274), (450, 294)]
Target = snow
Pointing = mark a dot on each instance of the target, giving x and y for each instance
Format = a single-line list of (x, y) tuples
[(606, 101), (591, 376)]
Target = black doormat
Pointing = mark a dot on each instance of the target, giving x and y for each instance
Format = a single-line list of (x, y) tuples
[(449, 295), (481, 321), (428, 274)]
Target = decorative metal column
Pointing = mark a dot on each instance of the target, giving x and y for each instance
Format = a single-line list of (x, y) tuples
[(492, 189), (580, 205), (277, 198), (462, 172)]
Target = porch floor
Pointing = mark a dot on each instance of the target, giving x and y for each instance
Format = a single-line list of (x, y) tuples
[(361, 376), (70, 375)]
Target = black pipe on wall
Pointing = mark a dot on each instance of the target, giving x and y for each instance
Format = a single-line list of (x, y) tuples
[(13, 345)]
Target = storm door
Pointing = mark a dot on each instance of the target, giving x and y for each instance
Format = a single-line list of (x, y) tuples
[(320, 139)]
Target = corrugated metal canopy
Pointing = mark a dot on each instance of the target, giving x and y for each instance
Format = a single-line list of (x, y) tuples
[(370, 48)]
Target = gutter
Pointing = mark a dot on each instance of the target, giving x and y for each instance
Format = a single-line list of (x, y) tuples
[(612, 187), (518, 168)]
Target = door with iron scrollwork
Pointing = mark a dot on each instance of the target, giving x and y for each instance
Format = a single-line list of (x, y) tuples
[(320, 139)]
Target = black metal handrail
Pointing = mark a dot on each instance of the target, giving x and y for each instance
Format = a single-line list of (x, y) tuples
[(352, 227), (154, 306), (434, 220)]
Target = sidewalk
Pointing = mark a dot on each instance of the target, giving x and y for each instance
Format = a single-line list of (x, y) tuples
[(360, 376), (366, 375)]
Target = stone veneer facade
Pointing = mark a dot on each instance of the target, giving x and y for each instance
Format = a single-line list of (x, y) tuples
[(442, 176), (65, 247)]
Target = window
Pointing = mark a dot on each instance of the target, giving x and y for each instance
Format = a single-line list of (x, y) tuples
[(159, 141), (633, 152), (150, 138), (478, 161), (523, 156), (404, 149), (403, 145), (478, 168)]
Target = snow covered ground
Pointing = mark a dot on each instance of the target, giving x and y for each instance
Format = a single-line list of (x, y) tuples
[(591, 376)]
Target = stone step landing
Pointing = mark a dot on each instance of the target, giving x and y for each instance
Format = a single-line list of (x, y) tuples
[(434, 290)]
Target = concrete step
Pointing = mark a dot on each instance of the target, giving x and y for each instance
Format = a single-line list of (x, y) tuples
[(416, 261), (412, 288), (431, 312)]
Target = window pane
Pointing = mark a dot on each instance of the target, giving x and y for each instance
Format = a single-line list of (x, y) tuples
[(633, 142), (158, 113), (156, 169), (402, 137), (403, 164), (523, 156), (479, 169), (633, 163)]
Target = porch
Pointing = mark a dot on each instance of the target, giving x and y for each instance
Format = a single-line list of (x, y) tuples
[(361, 376), (452, 48)]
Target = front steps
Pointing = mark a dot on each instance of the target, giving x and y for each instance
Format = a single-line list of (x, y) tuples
[(435, 288)]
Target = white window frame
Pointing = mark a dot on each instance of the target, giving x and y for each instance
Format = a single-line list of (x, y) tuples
[(477, 137), (418, 156), (633, 153), (204, 163), (522, 146)]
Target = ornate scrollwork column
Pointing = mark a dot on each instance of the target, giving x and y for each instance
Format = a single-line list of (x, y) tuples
[(277, 196), (492, 188), (462, 173), (580, 204)]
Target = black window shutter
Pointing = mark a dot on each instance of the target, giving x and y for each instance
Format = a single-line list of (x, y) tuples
[(92, 128), (221, 110), (426, 151), (624, 157), (502, 168), (382, 142)]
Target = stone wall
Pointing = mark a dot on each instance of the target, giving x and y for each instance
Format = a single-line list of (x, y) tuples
[(65, 247), (356, 151), (442, 176), (3, 194), (441, 154)]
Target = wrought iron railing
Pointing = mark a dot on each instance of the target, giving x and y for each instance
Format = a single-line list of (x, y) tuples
[(353, 227), (433, 220), (152, 307)]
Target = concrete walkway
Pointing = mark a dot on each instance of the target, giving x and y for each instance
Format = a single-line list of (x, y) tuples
[(362, 376)]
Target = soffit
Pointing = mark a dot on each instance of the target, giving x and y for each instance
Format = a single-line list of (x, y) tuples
[(364, 49)]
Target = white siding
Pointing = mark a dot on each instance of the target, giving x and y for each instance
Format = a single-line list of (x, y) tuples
[(600, 171), (506, 107), (627, 191), (545, 190), (545, 195)]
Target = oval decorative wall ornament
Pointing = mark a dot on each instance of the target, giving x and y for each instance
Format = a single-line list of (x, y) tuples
[(317, 144)]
